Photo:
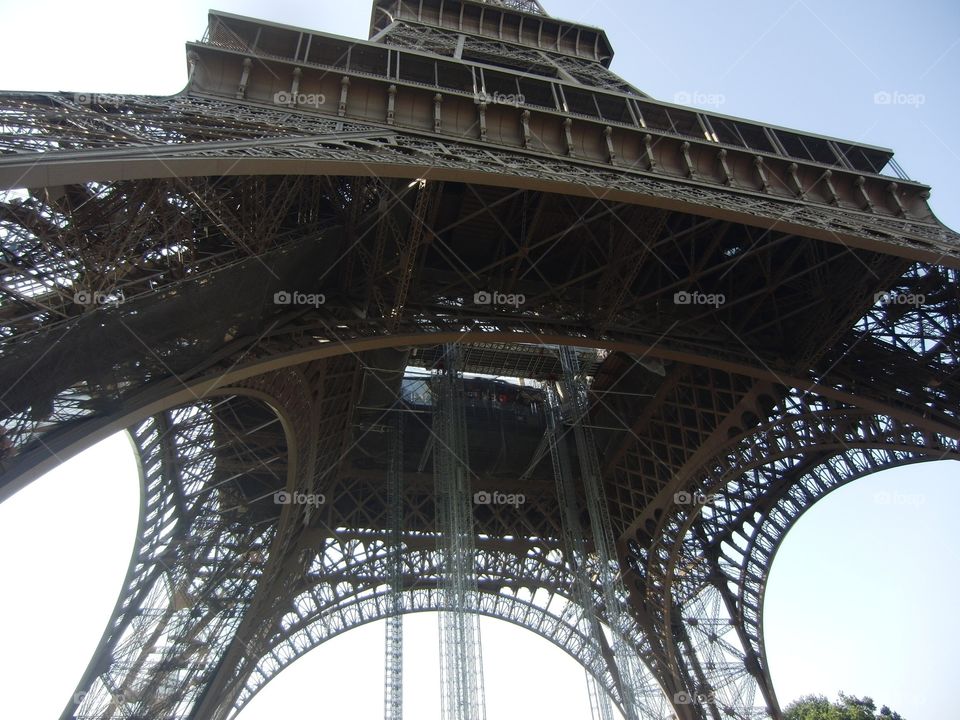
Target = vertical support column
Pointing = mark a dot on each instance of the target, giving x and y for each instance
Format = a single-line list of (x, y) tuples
[(393, 652), (437, 117), (192, 59), (344, 90), (244, 78), (634, 691), (295, 87), (391, 104), (574, 546), (461, 661)]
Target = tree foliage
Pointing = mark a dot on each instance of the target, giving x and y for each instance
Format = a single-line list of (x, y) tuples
[(847, 707)]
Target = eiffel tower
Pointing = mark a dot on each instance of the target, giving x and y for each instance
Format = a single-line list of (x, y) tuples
[(456, 319)]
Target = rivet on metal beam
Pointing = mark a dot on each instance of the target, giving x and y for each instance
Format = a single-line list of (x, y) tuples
[(437, 102), (295, 86), (685, 152), (648, 151), (797, 186), (525, 122), (860, 182), (725, 166), (834, 198), (568, 134), (611, 153), (244, 78), (894, 191), (344, 89), (762, 172), (391, 103)]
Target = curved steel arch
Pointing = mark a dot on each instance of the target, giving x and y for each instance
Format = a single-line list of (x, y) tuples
[(175, 391), (788, 511), (709, 564), (199, 577), (354, 611), (181, 525)]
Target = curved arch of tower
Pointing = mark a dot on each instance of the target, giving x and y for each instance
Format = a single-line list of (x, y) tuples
[(354, 299)]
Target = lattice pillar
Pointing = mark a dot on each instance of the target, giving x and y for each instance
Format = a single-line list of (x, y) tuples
[(393, 655), (461, 663)]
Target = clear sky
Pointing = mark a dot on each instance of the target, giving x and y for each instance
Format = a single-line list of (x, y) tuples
[(862, 595)]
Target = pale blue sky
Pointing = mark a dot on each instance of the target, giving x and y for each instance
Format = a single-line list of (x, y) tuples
[(862, 594)]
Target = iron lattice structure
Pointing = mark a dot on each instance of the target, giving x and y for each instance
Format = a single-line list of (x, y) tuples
[(248, 276)]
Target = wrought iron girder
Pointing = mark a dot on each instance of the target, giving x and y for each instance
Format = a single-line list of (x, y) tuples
[(305, 136)]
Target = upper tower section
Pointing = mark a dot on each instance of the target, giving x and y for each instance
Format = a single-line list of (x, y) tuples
[(516, 35)]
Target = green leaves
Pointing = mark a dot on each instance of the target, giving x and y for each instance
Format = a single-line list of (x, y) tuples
[(847, 707)]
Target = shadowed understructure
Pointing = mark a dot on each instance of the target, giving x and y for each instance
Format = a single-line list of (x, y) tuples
[(457, 319)]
